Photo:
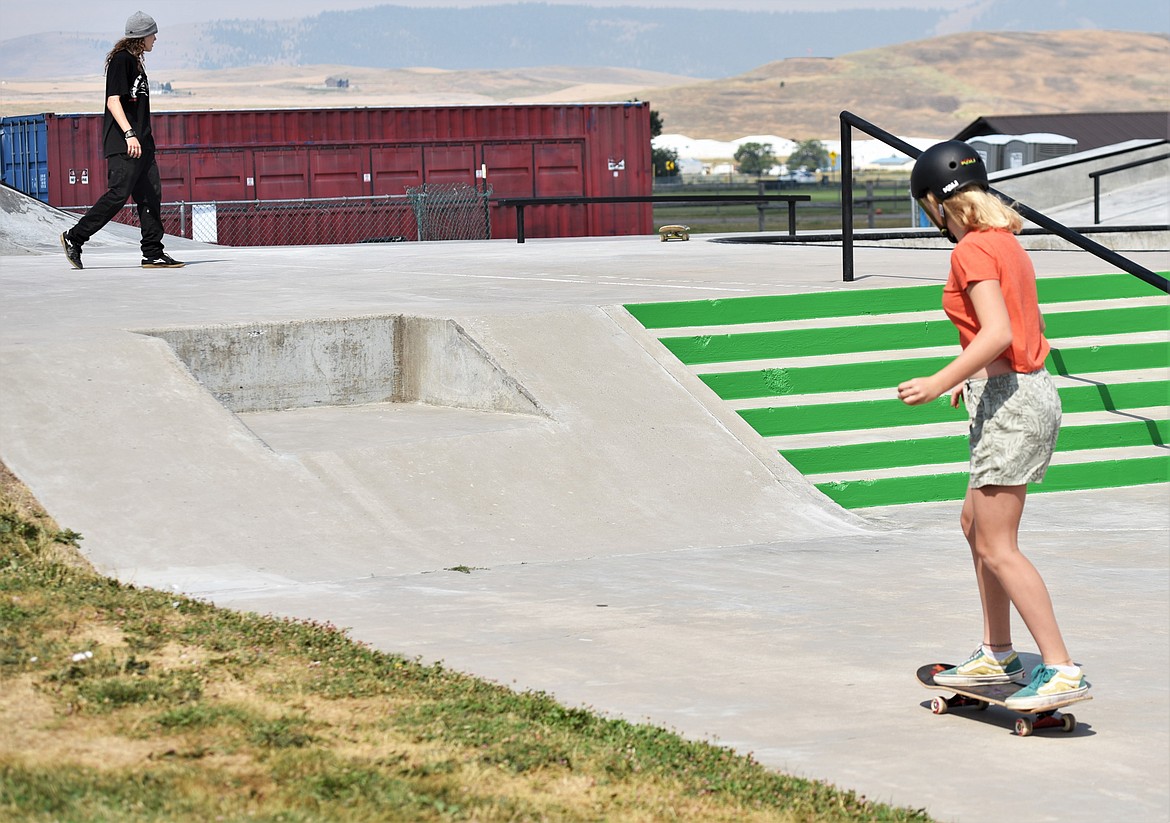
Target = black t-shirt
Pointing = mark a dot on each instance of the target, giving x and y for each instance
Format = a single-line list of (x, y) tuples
[(126, 79)]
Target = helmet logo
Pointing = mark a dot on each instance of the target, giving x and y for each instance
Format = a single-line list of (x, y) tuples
[(967, 161), (951, 186)]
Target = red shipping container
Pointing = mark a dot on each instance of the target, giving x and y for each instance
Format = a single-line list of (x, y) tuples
[(579, 150)]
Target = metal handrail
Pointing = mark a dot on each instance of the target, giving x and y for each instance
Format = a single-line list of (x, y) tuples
[(521, 203), (1069, 160), (1096, 176), (849, 121)]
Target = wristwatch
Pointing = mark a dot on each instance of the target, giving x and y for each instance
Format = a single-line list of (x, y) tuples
[(130, 133)]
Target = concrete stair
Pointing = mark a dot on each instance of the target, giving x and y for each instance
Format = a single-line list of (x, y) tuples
[(814, 374)]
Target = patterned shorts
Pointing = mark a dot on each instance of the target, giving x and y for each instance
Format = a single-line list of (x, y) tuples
[(1015, 419)]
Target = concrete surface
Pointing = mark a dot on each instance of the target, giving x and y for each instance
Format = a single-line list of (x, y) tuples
[(628, 543)]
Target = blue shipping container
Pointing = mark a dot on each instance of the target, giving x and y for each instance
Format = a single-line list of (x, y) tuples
[(24, 154)]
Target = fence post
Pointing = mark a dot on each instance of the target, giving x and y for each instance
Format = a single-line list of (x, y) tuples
[(761, 206)]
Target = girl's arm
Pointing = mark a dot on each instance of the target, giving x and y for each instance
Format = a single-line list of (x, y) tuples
[(995, 335)]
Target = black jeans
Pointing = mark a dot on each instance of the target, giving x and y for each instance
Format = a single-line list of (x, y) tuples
[(128, 177)]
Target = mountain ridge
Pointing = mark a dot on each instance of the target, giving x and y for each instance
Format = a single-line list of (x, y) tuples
[(695, 43), (931, 87)]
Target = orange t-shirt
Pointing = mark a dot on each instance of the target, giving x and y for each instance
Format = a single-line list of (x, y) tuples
[(996, 254)]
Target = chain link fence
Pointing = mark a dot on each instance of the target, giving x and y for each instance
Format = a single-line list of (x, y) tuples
[(451, 211), (432, 211)]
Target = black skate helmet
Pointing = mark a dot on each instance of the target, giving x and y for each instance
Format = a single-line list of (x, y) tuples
[(942, 170)]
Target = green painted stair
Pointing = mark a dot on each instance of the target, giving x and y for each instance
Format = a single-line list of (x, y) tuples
[(816, 374)]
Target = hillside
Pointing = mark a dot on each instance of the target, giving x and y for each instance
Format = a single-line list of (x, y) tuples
[(699, 43), (926, 88), (929, 87)]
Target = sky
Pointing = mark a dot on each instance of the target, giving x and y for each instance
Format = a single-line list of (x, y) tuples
[(21, 17)]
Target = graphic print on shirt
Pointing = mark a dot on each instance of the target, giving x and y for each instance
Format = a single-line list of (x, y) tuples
[(139, 88)]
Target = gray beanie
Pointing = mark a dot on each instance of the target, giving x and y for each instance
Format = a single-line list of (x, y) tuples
[(141, 24)]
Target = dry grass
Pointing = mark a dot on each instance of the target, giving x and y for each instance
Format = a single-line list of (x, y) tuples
[(133, 704)]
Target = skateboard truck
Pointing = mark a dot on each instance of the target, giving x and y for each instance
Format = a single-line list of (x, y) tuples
[(980, 697), (1024, 726)]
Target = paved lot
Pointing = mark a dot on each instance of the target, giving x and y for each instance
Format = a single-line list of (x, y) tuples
[(628, 545)]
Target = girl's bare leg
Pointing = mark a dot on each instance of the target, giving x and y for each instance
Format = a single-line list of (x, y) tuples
[(997, 622), (1003, 570)]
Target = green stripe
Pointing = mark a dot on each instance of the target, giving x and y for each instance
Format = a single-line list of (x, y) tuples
[(894, 491), (1107, 321), (1093, 287), (724, 348), (1115, 396), (854, 457), (776, 308), (1118, 357), (875, 414), (773, 308), (1114, 435), (885, 454), (796, 380)]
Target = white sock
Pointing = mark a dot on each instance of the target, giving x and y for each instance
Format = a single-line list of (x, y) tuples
[(999, 656)]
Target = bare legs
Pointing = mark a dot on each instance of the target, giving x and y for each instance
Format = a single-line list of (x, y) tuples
[(991, 523)]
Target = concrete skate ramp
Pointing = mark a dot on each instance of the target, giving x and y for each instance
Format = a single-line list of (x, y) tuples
[(555, 435), (28, 226)]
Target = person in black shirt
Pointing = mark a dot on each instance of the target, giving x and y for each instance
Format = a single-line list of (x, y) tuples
[(129, 149)]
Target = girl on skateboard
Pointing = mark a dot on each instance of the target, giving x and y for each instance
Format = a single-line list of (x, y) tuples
[(1014, 413)]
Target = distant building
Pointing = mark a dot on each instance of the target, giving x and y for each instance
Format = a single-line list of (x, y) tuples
[(337, 82), (1090, 130)]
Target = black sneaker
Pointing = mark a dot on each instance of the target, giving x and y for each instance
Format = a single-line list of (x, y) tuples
[(161, 261), (72, 251)]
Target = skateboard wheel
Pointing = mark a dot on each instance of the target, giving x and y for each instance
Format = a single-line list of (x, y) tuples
[(1069, 722), (981, 706), (1023, 727), (938, 705)]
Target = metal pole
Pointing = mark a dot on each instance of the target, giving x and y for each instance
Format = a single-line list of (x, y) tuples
[(846, 201), (1091, 246)]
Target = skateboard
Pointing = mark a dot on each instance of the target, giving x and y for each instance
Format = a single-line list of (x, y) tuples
[(980, 697), (675, 233)]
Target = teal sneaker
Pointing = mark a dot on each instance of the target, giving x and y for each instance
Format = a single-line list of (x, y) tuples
[(981, 669), (1049, 687)]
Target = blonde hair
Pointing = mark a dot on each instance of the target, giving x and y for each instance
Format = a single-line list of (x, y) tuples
[(135, 45), (980, 210)]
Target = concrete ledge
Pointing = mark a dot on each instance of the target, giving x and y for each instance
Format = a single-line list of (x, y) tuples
[(346, 362)]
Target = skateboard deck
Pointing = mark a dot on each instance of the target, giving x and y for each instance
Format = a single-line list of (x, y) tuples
[(980, 697), (675, 233)]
